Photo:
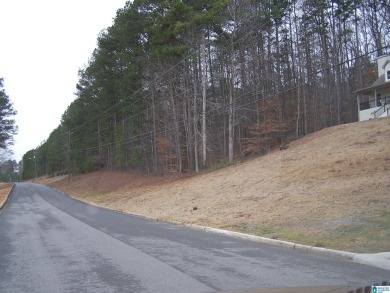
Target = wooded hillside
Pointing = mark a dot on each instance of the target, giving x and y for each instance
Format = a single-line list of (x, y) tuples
[(178, 86)]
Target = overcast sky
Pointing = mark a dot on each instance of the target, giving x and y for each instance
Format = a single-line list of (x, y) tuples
[(43, 43)]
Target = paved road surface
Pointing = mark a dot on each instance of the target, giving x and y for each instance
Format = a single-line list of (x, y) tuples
[(52, 243)]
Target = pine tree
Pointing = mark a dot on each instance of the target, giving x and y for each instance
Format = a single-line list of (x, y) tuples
[(7, 125)]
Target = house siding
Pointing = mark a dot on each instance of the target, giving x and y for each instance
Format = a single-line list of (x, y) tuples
[(387, 72), (377, 95)]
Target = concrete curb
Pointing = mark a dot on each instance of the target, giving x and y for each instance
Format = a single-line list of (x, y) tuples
[(378, 260), (281, 243)]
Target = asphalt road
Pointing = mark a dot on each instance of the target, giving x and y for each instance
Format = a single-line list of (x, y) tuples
[(50, 242)]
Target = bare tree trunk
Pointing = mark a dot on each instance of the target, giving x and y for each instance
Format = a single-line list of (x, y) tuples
[(196, 124), (231, 119), (278, 82), (203, 72), (154, 137), (359, 78), (99, 144), (187, 111), (336, 42), (177, 133), (231, 76), (374, 7)]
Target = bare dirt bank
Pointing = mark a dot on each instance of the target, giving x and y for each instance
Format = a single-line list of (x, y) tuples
[(330, 189)]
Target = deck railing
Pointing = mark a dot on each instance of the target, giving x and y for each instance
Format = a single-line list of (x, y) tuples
[(381, 110)]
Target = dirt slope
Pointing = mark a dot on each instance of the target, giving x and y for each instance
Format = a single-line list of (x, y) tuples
[(5, 189), (331, 189)]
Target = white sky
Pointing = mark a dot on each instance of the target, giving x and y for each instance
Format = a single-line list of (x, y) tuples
[(43, 44)]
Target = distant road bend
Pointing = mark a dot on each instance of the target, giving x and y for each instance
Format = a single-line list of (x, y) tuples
[(50, 242)]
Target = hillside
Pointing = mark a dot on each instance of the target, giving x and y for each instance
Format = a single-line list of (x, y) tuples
[(5, 189), (331, 189)]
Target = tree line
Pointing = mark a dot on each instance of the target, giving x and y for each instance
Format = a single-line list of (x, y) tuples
[(181, 85), (8, 128)]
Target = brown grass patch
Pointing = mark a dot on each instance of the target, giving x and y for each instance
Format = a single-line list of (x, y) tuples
[(5, 189), (322, 179)]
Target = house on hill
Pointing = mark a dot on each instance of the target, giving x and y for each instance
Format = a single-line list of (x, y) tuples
[(374, 101)]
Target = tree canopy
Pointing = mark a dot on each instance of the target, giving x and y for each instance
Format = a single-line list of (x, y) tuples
[(173, 81), (8, 127)]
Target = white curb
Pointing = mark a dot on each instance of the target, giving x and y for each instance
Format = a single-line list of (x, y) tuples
[(378, 260)]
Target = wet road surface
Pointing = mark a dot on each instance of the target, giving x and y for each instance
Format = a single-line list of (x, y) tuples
[(50, 242)]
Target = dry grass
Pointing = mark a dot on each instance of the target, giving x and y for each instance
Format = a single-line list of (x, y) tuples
[(324, 190), (5, 189)]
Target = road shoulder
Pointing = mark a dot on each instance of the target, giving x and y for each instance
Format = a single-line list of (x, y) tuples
[(5, 191), (378, 260)]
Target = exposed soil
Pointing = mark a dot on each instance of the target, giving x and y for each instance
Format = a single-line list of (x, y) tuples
[(331, 188)]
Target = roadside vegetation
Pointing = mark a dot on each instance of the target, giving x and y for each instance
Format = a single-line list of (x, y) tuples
[(5, 189), (330, 189), (359, 234), (178, 86)]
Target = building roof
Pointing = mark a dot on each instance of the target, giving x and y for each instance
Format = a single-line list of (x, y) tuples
[(380, 83)]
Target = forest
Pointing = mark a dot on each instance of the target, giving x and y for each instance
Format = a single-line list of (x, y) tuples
[(185, 85)]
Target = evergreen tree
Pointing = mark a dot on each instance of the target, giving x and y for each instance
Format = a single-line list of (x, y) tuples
[(174, 84), (7, 125)]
